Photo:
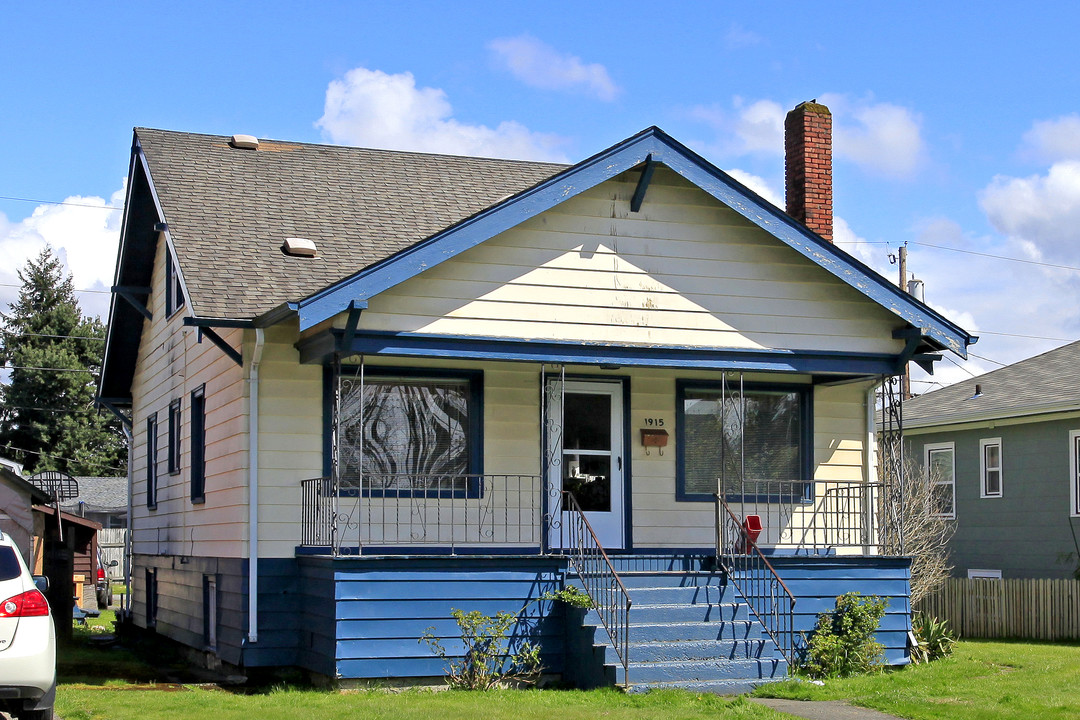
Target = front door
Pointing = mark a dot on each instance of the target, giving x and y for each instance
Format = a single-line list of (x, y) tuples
[(585, 456)]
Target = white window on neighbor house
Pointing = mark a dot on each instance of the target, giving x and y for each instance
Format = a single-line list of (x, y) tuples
[(983, 574), (940, 467), (1074, 473), (990, 467)]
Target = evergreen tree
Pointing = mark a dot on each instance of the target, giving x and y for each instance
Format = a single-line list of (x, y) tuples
[(54, 355)]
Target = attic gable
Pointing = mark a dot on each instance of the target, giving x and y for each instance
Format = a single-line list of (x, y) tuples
[(643, 152)]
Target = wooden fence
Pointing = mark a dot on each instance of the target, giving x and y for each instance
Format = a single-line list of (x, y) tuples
[(113, 544), (1031, 609)]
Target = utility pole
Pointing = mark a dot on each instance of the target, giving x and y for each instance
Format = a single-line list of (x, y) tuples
[(906, 382)]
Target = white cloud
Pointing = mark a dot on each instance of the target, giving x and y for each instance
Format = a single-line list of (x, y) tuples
[(1053, 140), (374, 109), (1041, 211), (758, 185), (880, 138), (539, 65), (84, 238)]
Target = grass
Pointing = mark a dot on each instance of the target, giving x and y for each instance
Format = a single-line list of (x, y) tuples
[(80, 703), (982, 680)]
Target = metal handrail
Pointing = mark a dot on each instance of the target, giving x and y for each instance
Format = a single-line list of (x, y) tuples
[(599, 578), (345, 516), (756, 580)]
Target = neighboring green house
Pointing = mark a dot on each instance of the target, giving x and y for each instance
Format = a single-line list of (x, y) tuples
[(1006, 446)]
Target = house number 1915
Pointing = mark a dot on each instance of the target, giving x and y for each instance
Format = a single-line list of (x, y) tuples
[(654, 422)]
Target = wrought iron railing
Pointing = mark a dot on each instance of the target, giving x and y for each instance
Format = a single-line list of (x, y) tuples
[(755, 579), (385, 511), (598, 577), (814, 516)]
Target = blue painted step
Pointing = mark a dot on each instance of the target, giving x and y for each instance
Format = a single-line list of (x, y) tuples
[(689, 629)]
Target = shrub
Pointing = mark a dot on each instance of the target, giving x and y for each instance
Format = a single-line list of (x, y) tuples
[(842, 642), (488, 661), (934, 637)]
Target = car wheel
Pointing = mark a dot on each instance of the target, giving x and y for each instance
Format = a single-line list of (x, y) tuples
[(46, 714)]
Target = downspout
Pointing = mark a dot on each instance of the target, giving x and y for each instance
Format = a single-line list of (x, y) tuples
[(253, 488), (870, 531), (129, 541)]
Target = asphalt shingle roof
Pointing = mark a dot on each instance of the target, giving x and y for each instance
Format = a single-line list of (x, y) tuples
[(229, 210), (99, 494), (1046, 383)]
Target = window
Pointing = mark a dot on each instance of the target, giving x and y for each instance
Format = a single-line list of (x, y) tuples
[(174, 436), (410, 432), (990, 467), (1074, 470), (198, 445), (210, 612), (151, 597), (174, 291), (941, 474), (756, 440), (151, 462)]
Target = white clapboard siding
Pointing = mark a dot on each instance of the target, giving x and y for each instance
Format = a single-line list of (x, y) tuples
[(685, 272), (171, 364), (290, 439)]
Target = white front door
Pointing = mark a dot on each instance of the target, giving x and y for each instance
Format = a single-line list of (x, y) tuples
[(586, 457)]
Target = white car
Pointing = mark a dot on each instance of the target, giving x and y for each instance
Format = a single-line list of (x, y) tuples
[(27, 640)]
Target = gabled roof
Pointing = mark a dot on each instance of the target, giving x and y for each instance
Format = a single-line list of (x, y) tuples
[(37, 495), (380, 217), (1042, 384), (229, 210)]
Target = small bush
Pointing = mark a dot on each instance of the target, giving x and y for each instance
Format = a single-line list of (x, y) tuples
[(935, 638), (842, 642), (488, 661)]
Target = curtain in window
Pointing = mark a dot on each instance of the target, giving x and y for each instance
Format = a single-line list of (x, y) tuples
[(390, 427)]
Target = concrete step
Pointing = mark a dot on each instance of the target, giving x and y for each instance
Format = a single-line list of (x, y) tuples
[(702, 670), (717, 687)]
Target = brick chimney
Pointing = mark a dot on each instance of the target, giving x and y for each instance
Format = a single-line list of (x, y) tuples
[(808, 167)]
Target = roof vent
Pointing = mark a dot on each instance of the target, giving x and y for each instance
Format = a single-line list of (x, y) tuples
[(299, 247), (245, 142)]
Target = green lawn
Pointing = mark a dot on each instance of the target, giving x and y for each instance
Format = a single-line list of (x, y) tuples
[(82, 703), (982, 680)]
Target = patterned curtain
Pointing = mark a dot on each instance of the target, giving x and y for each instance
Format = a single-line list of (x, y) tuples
[(404, 433)]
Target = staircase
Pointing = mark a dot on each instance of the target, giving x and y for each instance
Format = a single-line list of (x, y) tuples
[(687, 629)]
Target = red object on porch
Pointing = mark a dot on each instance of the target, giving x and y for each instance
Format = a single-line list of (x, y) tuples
[(751, 528)]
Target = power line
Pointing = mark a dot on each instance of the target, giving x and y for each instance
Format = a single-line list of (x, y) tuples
[(27, 367), (58, 457), (987, 359), (997, 257), (19, 285), (71, 204), (63, 337), (961, 366), (45, 409)]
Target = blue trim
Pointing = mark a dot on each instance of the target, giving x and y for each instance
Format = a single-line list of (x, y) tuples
[(806, 440), (650, 144), (405, 551), (475, 379), (319, 347), (628, 470)]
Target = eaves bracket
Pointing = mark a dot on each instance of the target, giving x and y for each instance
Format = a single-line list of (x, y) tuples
[(129, 292)]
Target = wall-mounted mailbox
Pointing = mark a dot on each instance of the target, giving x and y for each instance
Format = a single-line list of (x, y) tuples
[(654, 438)]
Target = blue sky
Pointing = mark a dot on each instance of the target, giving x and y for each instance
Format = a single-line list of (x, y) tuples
[(956, 123)]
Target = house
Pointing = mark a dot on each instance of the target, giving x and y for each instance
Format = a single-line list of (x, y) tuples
[(365, 387), (17, 500), (101, 499), (1004, 448)]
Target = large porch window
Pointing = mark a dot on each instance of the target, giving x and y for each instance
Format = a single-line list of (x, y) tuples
[(753, 439), (408, 432)]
